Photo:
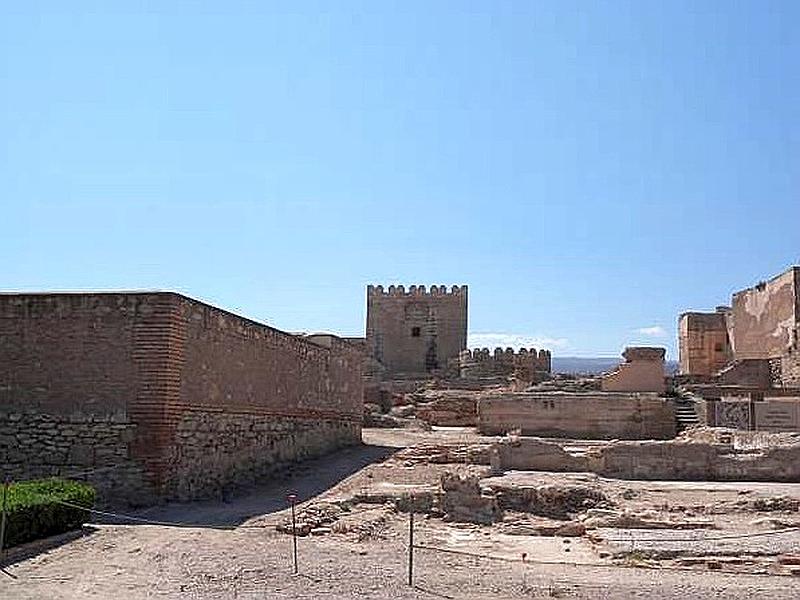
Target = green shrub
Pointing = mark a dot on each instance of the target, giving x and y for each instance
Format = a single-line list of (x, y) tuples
[(34, 509)]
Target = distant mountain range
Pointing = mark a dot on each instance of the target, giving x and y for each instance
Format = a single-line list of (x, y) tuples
[(576, 364)]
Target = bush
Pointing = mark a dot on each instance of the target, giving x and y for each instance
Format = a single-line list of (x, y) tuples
[(34, 509)]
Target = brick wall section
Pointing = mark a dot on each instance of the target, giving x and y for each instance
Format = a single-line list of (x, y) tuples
[(134, 374)]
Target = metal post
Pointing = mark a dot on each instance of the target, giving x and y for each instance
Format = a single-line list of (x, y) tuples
[(3, 520), (411, 547), (292, 500)]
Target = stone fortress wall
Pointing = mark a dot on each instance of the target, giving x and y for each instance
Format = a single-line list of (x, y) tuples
[(525, 364), (171, 397), (414, 331)]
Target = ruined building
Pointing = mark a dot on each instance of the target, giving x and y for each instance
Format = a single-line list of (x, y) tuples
[(167, 396), (642, 371), (415, 332), (752, 342)]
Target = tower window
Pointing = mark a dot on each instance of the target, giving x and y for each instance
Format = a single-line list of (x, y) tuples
[(415, 332)]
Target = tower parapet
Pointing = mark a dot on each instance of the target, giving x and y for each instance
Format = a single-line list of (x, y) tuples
[(397, 291), (416, 330)]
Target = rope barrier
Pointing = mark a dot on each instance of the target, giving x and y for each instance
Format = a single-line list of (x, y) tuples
[(146, 521)]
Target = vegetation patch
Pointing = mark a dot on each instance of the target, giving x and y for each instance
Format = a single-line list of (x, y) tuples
[(41, 508)]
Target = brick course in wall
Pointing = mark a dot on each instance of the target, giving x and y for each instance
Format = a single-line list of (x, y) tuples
[(181, 397)]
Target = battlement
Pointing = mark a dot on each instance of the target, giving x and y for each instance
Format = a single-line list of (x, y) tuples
[(509, 354), (527, 364), (415, 291)]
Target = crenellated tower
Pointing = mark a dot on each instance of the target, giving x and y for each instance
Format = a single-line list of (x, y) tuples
[(416, 331)]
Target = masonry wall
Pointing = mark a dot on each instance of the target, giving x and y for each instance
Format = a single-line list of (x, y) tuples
[(256, 398), (703, 344), (765, 318), (589, 416), (69, 379), (526, 364), (416, 331), (180, 398)]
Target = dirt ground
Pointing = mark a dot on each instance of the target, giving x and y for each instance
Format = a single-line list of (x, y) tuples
[(667, 539)]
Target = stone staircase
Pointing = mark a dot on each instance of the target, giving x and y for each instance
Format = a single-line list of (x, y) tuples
[(686, 413)]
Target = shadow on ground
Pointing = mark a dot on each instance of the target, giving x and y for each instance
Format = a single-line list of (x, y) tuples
[(22, 552), (307, 480)]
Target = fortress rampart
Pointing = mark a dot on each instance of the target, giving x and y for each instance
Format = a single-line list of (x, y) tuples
[(527, 364), (168, 396)]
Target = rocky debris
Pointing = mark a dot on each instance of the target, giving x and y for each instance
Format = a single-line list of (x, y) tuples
[(776, 504), (773, 523), (404, 498), (603, 518), (532, 453), (312, 519), (373, 419), (403, 411), (464, 500), (541, 526), (560, 382), (452, 408), (554, 501), (473, 454)]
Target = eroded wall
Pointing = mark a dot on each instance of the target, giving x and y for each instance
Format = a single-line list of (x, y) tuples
[(764, 318), (642, 371), (590, 415)]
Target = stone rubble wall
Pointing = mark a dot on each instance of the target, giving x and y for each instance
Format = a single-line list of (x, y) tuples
[(725, 456), (220, 450), (703, 454), (87, 447)]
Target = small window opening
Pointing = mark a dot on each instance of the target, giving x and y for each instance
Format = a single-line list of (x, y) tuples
[(718, 347), (415, 332)]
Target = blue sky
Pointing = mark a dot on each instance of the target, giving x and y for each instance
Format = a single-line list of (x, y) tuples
[(590, 169)]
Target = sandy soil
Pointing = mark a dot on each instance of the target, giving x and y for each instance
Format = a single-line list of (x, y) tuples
[(232, 549)]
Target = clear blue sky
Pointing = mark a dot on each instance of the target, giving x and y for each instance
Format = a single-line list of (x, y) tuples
[(588, 168)]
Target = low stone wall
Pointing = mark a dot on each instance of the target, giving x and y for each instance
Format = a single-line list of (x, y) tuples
[(533, 454), (725, 456), (589, 416), (705, 454)]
